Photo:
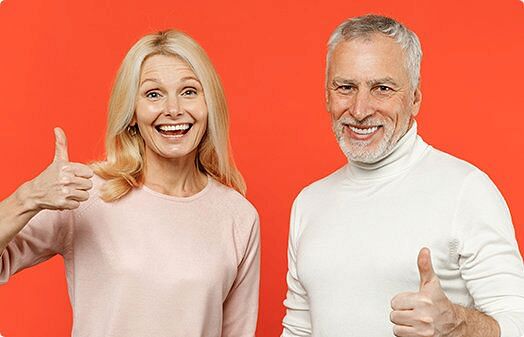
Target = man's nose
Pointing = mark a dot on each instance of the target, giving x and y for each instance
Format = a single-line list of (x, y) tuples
[(362, 105)]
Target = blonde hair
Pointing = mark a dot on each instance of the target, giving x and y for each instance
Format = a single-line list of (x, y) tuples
[(123, 168)]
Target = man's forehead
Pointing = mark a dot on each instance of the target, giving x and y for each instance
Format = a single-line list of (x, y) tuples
[(374, 41), (367, 59)]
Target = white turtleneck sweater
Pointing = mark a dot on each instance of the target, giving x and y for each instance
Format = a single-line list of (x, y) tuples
[(355, 236)]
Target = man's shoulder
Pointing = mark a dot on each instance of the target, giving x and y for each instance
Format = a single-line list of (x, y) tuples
[(445, 172), (447, 165), (321, 187)]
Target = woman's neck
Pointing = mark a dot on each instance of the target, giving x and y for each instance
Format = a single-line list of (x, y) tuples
[(176, 177)]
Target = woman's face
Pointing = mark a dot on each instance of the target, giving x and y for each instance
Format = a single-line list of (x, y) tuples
[(171, 111)]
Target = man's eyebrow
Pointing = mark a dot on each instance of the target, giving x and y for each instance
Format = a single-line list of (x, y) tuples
[(340, 80), (384, 80)]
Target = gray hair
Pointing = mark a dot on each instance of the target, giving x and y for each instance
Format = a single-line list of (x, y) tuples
[(366, 25)]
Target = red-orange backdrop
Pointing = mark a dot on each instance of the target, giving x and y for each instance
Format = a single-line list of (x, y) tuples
[(58, 59)]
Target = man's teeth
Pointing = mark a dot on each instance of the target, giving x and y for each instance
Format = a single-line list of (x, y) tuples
[(365, 131), (175, 127)]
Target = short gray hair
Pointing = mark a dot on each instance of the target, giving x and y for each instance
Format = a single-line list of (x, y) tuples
[(367, 25)]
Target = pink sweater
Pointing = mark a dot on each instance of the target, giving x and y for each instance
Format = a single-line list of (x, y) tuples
[(151, 264)]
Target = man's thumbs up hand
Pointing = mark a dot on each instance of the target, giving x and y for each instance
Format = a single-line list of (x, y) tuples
[(62, 185), (428, 279), (427, 312)]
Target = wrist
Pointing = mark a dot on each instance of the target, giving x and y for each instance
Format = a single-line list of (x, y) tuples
[(457, 326), (26, 198)]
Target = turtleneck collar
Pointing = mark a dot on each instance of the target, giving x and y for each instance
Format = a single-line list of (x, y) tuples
[(406, 152)]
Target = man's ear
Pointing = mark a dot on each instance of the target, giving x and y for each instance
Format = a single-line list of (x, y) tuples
[(417, 99), (326, 101)]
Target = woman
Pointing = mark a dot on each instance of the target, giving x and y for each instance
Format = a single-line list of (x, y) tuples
[(161, 241)]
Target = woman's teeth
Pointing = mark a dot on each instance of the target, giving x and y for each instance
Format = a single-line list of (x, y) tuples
[(174, 127), (365, 131), (176, 130)]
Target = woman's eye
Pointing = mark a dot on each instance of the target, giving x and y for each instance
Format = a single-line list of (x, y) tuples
[(153, 95), (189, 92)]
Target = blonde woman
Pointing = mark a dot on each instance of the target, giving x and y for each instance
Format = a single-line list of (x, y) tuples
[(158, 239)]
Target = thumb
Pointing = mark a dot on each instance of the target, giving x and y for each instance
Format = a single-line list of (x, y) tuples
[(425, 267), (60, 145)]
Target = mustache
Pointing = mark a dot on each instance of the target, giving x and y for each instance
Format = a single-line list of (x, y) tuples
[(366, 122)]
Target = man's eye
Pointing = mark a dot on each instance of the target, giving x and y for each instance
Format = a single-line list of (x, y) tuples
[(384, 89), (345, 88), (153, 95)]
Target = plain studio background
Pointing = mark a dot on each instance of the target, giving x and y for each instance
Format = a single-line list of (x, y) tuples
[(58, 60)]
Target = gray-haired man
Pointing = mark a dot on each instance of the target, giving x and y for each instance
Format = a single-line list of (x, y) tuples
[(355, 235)]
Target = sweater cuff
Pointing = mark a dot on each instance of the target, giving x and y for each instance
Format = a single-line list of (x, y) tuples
[(511, 324)]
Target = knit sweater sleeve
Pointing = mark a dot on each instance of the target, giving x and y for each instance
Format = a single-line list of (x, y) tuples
[(489, 258), (297, 322), (46, 234), (241, 304)]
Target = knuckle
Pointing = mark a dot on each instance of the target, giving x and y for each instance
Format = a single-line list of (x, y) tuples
[(426, 301), (394, 302), (429, 332), (396, 330), (72, 204)]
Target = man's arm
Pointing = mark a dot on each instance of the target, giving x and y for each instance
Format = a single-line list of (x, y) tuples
[(490, 266), (429, 312), (297, 322)]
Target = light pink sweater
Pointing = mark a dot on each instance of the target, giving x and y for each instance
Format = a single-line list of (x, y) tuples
[(151, 264)]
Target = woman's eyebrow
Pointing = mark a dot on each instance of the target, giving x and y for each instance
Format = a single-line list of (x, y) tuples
[(150, 80)]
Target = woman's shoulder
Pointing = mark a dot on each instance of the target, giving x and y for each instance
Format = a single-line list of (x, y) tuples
[(233, 200)]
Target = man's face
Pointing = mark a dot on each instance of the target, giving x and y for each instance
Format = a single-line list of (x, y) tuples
[(369, 96)]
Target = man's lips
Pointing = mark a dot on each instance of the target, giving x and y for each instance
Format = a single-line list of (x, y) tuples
[(362, 132)]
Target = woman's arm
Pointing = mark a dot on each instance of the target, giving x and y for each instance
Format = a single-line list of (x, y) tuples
[(241, 305), (62, 185)]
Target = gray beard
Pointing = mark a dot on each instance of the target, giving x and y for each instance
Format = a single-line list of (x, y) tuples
[(359, 151)]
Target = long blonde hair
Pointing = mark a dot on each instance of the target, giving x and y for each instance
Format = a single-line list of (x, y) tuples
[(123, 168)]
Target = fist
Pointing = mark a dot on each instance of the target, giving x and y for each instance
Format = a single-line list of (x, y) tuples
[(427, 312), (62, 185)]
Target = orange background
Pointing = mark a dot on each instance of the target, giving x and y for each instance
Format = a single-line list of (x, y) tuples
[(58, 60)]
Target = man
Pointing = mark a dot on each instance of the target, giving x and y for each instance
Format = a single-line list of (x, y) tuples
[(355, 235)]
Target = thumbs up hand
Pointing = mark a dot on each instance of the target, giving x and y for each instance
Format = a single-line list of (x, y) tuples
[(427, 312), (62, 185)]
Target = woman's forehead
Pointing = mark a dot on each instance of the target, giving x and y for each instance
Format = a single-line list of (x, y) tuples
[(166, 68)]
